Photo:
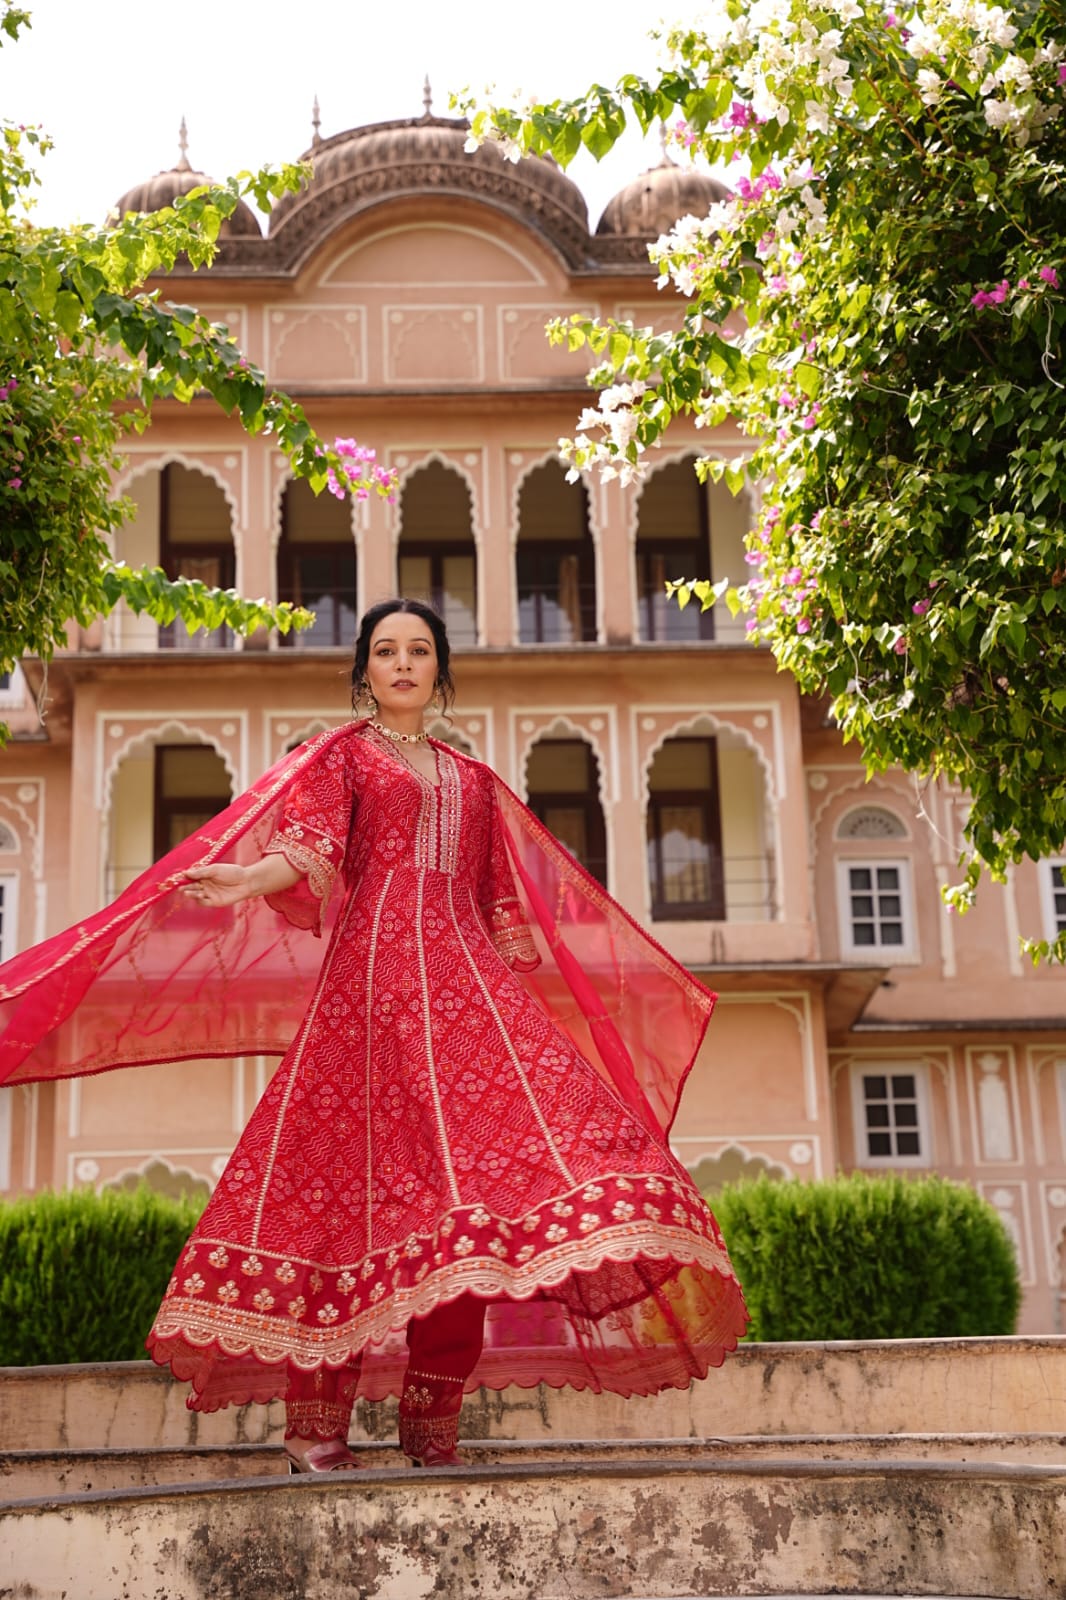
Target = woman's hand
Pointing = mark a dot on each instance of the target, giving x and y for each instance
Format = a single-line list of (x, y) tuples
[(221, 885)]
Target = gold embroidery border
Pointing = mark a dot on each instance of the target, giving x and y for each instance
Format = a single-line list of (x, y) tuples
[(266, 1338)]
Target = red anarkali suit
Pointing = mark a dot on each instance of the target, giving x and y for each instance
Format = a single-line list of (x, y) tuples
[(473, 1111)]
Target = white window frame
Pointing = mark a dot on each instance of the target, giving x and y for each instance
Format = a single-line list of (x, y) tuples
[(877, 953), (9, 926), (919, 1071), (13, 693), (1048, 892)]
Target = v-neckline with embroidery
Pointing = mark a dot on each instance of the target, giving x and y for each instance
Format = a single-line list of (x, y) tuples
[(391, 749)]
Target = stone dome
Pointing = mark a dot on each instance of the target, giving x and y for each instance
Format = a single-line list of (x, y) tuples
[(423, 155), (162, 190), (652, 203)]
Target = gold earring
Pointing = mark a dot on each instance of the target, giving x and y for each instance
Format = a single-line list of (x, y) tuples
[(366, 693)]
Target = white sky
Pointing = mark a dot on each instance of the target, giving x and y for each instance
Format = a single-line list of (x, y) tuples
[(111, 82)]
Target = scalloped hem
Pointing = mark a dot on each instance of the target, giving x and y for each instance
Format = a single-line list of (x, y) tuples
[(619, 1371)]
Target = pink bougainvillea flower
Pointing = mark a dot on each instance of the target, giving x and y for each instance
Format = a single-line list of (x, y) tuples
[(920, 607), (14, 483), (1049, 275), (900, 646), (803, 625), (1062, 75)]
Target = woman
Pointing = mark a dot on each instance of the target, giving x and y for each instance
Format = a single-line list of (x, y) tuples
[(459, 1174)]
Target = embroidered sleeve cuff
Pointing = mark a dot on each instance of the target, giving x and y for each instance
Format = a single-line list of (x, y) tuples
[(511, 935), (315, 857)]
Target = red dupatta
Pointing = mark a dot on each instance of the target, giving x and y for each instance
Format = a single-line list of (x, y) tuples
[(156, 977)]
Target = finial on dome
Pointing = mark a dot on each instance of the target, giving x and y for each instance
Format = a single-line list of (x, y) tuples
[(316, 122), (183, 149), (427, 98)]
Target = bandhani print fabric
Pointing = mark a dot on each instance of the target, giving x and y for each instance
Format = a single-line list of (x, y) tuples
[(474, 1098)]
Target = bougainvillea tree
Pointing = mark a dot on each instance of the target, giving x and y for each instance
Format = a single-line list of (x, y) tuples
[(84, 353), (895, 245)]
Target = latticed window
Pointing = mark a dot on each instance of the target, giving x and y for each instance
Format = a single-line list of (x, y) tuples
[(874, 905), (1057, 872), (8, 914), (890, 1116), (871, 822)]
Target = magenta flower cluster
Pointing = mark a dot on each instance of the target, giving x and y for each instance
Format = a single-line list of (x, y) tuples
[(358, 469), (8, 388), (740, 116), (997, 295), (751, 190)]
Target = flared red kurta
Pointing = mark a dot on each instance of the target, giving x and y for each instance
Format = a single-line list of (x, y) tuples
[(432, 1133)]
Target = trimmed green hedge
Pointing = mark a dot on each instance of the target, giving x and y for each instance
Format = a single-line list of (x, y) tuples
[(861, 1257), (82, 1274)]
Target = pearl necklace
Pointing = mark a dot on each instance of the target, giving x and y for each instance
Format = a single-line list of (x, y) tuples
[(400, 738)]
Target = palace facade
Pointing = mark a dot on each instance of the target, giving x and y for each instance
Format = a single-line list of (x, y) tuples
[(402, 298)]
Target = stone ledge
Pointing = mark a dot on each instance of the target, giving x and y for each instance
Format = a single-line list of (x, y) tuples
[(26, 1474), (1011, 1385), (644, 1527)]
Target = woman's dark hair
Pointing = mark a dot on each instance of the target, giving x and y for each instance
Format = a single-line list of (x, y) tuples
[(416, 608)]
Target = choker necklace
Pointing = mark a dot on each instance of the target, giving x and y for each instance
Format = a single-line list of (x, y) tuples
[(400, 738)]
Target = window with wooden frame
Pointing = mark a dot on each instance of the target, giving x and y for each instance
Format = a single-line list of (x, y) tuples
[(684, 832), (195, 541), (437, 556), (562, 780), (191, 785), (555, 560), (673, 541), (316, 567)]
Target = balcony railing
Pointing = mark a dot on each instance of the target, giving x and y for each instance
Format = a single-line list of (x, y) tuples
[(733, 888)]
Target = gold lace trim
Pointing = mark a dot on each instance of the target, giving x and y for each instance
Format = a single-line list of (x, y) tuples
[(511, 934), (307, 859), (417, 1434)]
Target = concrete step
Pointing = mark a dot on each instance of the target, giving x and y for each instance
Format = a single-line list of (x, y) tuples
[(33, 1474), (651, 1526), (948, 1386)]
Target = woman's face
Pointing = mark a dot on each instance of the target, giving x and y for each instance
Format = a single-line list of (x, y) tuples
[(402, 668)]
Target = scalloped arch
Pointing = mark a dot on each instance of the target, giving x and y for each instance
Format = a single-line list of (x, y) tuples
[(710, 1167), (458, 738), (356, 517), (546, 459), (167, 458), (25, 828), (688, 722), (562, 727), (154, 735), (682, 453), (860, 782), (155, 1163), (450, 465)]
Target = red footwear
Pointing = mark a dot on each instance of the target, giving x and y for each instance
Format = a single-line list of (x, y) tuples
[(330, 1456), (433, 1457)]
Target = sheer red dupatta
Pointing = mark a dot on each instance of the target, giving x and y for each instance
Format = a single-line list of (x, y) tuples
[(156, 977)]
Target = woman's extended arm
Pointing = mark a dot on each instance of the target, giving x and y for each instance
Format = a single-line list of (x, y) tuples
[(224, 885)]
